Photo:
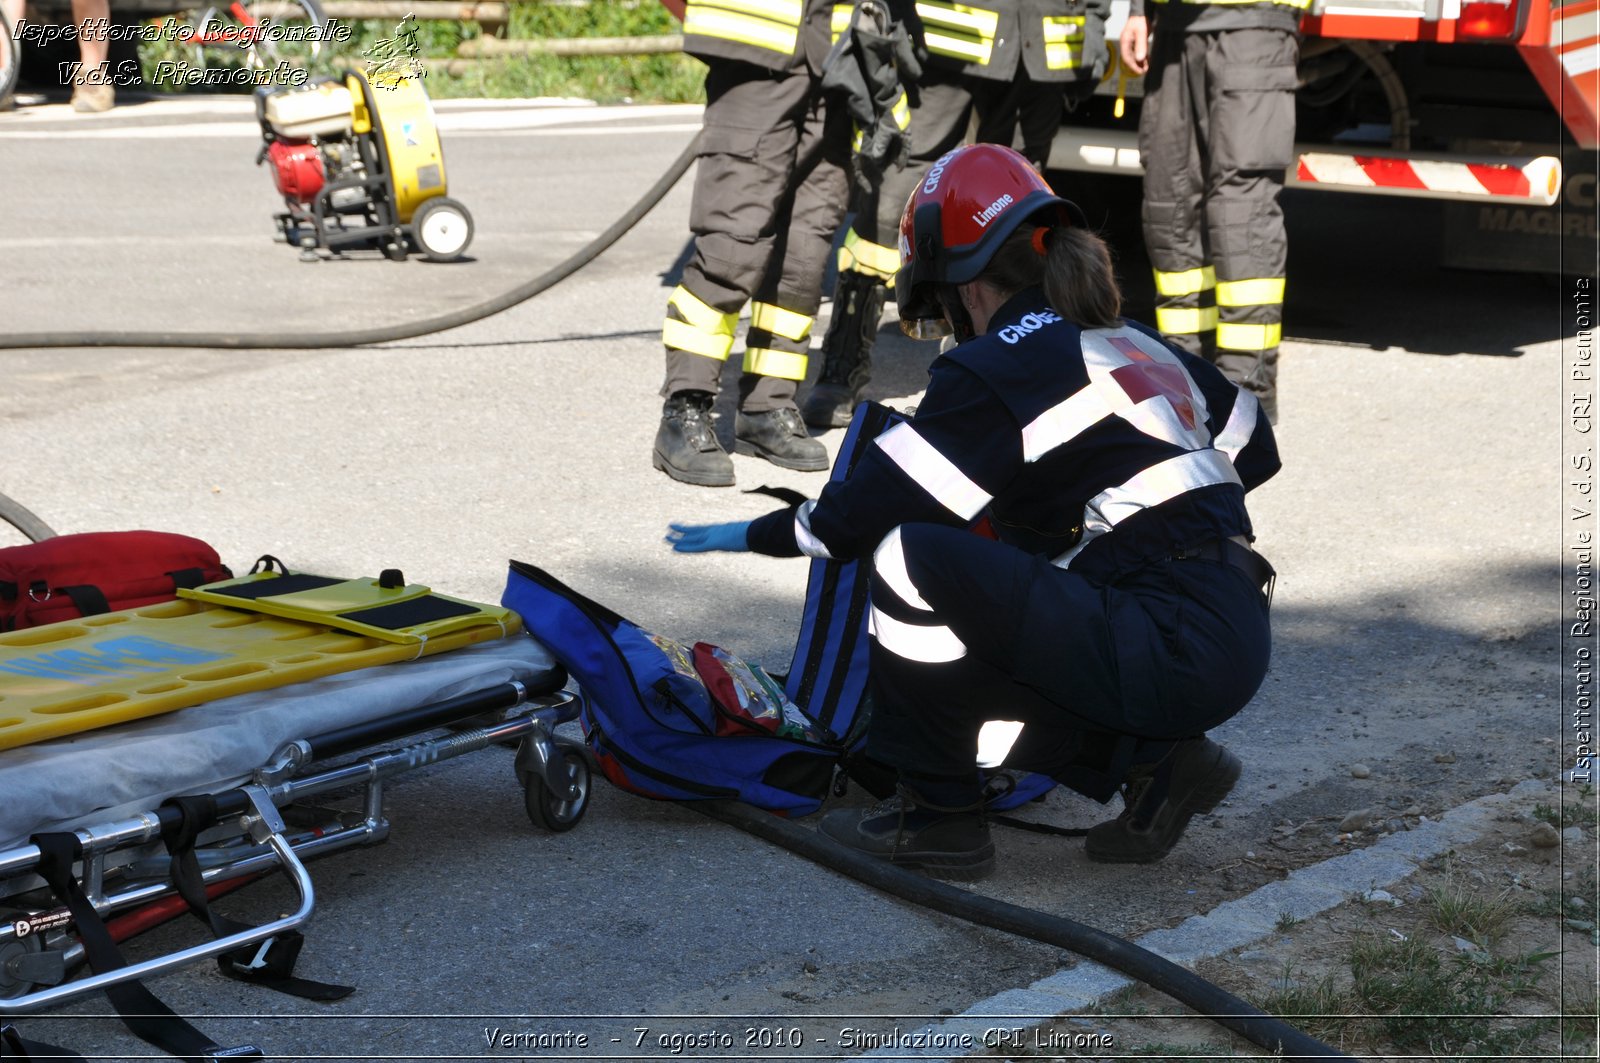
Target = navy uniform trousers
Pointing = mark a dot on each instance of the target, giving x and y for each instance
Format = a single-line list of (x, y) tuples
[(967, 630)]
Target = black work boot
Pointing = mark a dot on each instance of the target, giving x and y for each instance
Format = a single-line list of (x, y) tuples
[(906, 830), (686, 446), (780, 437), (1160, 799), (846, 351)]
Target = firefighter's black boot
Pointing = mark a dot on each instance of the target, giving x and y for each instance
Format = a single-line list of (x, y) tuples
[(686, 446), (948, 838), (1159, 800), (846, 350), (780, 437)]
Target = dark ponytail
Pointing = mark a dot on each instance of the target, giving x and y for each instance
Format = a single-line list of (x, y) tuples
[(1073, 265)]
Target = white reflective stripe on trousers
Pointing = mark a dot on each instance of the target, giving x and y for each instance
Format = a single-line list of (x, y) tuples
[(935, 644), (889, 562), (995, 739)]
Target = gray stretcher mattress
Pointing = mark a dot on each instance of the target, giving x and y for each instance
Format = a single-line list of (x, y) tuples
[(104, 775)]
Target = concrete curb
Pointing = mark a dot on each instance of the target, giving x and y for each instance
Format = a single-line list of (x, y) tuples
[(1234, 924)]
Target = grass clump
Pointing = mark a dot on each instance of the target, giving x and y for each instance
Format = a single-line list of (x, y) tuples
[(1453, 908), (1322, 1008), (1424, 1001)]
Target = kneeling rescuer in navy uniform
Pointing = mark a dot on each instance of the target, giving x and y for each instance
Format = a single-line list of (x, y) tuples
[(1058, 537)]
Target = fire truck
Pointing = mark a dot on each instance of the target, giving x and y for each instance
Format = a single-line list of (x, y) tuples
[(1493, 105)]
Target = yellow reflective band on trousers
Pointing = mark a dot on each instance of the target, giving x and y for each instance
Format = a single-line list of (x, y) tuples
[(1232, 336), (704, 330), (1185, 320), (780, 322), (1187, 282), (864, 256), (958, 30), (764, 361), (1257, 291), (770, 24), (1063, 42)]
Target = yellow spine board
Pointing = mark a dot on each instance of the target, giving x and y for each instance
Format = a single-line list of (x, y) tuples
[(80, 675), (333, 603), (403, 117)]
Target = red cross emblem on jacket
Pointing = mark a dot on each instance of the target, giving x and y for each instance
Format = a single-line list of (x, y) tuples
[(1147, 378)]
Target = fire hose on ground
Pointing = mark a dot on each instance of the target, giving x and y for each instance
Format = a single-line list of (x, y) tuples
[(1182, 985), (1186, 987)]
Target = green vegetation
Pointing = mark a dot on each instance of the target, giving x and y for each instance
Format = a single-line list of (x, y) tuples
[(1454, 909), (1429, 1002), (1415, 997), (1319, 1008), (668, 78), (1424, 993)]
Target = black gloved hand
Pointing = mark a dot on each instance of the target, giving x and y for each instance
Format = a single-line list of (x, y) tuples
[(869, 67)]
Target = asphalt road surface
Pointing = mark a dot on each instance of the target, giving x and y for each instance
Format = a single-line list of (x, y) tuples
[(1415, 527)]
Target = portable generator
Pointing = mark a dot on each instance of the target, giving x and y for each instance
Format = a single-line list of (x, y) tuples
[(359, 165)]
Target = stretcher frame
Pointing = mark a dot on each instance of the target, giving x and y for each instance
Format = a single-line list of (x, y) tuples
[(124, 861)]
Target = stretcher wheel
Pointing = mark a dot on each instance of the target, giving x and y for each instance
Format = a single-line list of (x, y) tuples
[(442, 229), (12, 984), (557, 814)]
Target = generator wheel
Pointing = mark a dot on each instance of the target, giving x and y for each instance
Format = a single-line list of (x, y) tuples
[(557, 814), (442, 229)]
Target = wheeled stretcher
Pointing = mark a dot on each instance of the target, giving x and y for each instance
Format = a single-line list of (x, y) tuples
[(264, 757)]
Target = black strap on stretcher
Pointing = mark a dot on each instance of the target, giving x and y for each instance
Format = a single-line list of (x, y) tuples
[(90, 600), (269, 963), (15, 1047), (142, 1011)]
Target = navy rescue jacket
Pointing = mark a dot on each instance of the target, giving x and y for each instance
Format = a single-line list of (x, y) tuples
[(1102, 449)]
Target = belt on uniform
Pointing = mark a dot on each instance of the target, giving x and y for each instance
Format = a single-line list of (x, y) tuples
[(1230, 552)]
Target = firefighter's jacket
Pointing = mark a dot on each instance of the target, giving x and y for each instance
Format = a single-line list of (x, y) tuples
[(1053, 40), (781, 35)]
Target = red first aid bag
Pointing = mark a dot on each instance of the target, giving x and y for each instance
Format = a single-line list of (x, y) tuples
[(72, 576)]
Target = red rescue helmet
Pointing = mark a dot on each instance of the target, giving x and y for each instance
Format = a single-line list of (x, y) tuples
[(969, 201)]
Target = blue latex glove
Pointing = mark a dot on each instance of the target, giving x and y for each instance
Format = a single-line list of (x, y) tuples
[(700, 538)]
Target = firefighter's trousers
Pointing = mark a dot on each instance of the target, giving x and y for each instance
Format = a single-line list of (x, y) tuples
[(771, 185), (1215, 137), (967, 630)]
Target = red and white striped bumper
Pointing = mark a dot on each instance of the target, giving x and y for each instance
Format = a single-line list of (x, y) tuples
[(1535, 181), (1524, 180)]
